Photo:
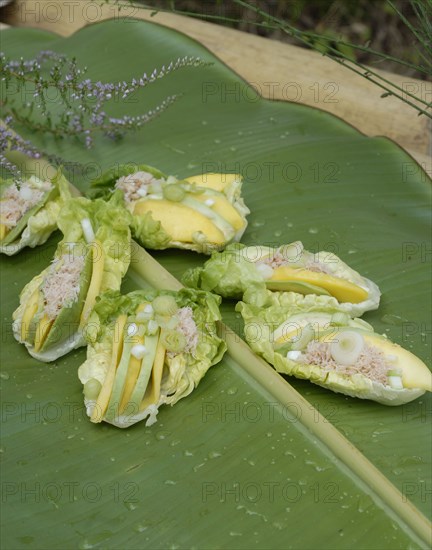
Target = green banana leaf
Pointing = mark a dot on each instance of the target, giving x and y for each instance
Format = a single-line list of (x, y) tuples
[(248, 460)]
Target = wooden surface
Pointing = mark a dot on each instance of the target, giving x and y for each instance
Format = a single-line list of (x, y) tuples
[(277, 70)]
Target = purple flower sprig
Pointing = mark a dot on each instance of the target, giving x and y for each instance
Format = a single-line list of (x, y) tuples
[(36, 88)]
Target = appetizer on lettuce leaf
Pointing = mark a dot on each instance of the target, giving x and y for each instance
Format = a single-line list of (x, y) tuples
[(92, 257), (29, 211), (201, 213), (146, 349), (286, 268), (312, 337)]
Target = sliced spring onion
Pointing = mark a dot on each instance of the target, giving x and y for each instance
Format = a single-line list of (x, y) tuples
[(165, 305), (132, 329), (340, 319), (199, 237), (87, 230), (142, 191), (395, 382), (173, 192), (138, 351), (152, 327), (293, 355), (347, 347), (26, 193), (146, 313), (307, 334), (92, 389), (264, 270), (291, 252)]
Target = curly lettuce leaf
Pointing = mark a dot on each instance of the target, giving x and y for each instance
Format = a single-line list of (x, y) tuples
[(106, 259), (43, 222), (182, 370), (286, 268), (276, 324), (226, 273), (172, 213)]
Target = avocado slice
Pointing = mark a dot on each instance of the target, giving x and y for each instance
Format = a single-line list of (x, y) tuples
[(67, 321), (222, 206), (120, 375), (16, 231), (117, 350), (42, 331), (341, 289), (134, 403), (219, 221), (28, 315), (94, 286), (297, 286)]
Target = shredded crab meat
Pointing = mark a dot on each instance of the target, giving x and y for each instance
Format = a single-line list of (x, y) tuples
[(19, 199), (371, 362), (313, 265), (186, 325), (279, 260), (134, 186), (61, 284)]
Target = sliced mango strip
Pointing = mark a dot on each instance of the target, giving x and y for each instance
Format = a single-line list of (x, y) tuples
[(213, 180), (415, 374), (29, 313), (117, 350), (179, 220), (342, 290), (153, 390), (42, 331), (98, 259)]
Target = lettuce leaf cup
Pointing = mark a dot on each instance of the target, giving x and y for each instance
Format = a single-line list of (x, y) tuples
[(146, 349), (29, 210), (201, 213), (92, 257), (313, 338), (285, 268)]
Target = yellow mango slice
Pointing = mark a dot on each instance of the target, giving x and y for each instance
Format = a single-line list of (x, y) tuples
[(42, 331), (153, 389), (342, 290), (415, 373), (180, 221), (212, 180), (222, 206), (105, 393), (29, 313), (95, 282)]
